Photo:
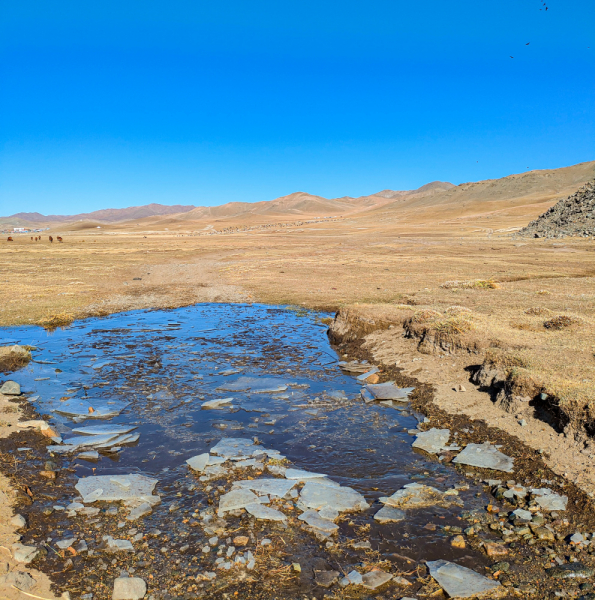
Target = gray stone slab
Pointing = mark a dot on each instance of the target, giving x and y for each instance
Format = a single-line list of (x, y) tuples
[(432, 441), (235, 500), (102, 487), (485, 456), (316, 495), (388, 391), (389, 514), (266, 486), (265, 513), (460, 582)]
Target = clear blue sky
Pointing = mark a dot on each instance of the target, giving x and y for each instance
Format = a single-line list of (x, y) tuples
[(113, 104)]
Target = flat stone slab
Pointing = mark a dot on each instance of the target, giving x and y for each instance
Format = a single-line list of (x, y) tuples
[(313, 518), (106, 429), (460, 582), (432, 441), (300, 475), (388, 514), (316, 495), (103, 487), (235, 500), (549, 500), (265, 513), (218, 403), (485, 456), (256, 385), (417, 495), (266, 486), (374, 579), (388, 391), (236, 448)]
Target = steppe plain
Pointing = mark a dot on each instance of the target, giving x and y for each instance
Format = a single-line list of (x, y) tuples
[(436, 285)]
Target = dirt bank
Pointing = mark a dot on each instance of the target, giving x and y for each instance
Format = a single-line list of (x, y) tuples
[(395, 345)]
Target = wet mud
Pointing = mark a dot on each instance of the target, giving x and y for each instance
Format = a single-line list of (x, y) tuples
[(155, 369)]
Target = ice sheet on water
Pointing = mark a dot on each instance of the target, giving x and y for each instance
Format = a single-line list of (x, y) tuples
[(270, 486), (103, 487), (104, 429), (433, 440), (388, 391), (460, 582), (256, 385), (316, 495), (485, 456)]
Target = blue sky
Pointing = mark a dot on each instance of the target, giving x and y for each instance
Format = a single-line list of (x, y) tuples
[(113, 104)]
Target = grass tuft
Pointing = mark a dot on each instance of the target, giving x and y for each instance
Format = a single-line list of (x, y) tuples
[(58, 320), (538, 310), (475, 284)]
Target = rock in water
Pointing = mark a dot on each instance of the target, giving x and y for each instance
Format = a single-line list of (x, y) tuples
[(10, 388), (416, 495), (571, 571), (433, 440), (485, 456), (460, 582), (129, 588)]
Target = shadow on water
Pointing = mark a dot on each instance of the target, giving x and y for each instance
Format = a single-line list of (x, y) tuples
[(158, 367)]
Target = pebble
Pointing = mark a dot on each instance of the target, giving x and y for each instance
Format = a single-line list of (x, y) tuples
[(18, 521), (129, 588)]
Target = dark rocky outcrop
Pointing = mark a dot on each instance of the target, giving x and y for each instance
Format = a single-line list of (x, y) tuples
[(573, 216)]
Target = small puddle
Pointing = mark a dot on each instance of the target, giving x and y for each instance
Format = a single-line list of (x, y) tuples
[(155, 369)]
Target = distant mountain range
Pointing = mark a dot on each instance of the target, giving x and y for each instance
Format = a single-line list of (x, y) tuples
[(435, 200), (298, 203), (107, 215)]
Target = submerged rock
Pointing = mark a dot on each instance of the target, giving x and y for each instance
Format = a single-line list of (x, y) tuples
[(485, 456), (417, 495), (571, 571), (460, 582), (433, 440)]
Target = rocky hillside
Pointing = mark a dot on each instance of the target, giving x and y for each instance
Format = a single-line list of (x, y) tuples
[(572, 216)]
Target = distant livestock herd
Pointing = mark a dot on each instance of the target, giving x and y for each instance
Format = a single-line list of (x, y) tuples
[(38, 239)]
